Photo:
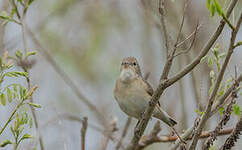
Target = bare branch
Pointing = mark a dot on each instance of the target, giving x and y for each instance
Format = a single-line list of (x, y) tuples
[(189, 48), (166, 83), (204, 50), (191, 35), (163, 24), (230, 141), (83, 133), (123, 133), (66, 78), (217, 85), (226, 116), (149, 139)]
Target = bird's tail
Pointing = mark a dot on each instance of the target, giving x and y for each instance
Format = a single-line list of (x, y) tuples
[(163, 116)]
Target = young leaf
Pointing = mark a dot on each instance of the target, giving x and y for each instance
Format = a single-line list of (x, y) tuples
[(6, 142), (10, 97), (30, 123), (208, 4), (30, 53), (15, 89), (3, 99), (218, 7), (203, 58), (210, 61), (4, 15), (19, 54), (221, 110), (34, 105), (222, 55), (236, 110), (24, 74), (212, 10), (25, 136), (29, 2)]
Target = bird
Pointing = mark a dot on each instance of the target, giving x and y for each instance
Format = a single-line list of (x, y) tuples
[(133, 93)]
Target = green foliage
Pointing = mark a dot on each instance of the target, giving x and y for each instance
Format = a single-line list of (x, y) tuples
[(199, 112), (236, 109), (214, 62), (221, 110), (5, 143), (214, 7), (9, 17), (20, 94)]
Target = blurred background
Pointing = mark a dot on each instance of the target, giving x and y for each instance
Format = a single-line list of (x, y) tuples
[(88, 39)]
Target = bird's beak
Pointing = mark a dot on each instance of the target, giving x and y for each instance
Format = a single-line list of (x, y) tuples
[(125, 66)]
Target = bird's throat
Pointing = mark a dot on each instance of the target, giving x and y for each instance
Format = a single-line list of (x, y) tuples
[(127, 75)]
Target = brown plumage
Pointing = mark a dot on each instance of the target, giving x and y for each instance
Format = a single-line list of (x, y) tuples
[(133, 92)]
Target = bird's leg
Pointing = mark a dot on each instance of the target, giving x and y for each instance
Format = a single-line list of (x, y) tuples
[(136, 132), (174, 130), (136, 126)]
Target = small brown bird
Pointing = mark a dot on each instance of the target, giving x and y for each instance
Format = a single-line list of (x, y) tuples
[(133, 93)]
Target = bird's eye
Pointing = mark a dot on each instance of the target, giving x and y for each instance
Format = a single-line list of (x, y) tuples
[(134, 63)]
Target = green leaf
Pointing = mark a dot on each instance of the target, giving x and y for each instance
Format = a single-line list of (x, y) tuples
[(4, 15), (10, 97), (3, 99), (15, 89), (30, 123), (10, 74), (30, 53), (19, 54), (12, 130), (25, 136), (203, 58), (34, 105), (221, 110), (22, 91), (218, 7), (212, 74), (210, 61), (208, 4), (222, 55), (29, 2), (212, 10), (222, 91), (24, 74), (6, 142), (236, 110)]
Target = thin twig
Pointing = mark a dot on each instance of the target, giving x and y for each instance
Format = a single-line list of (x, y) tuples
[(66, 78), (163, 24), (204, 50), (192, 43), (125, 130), (167, 82), (191, 35), (230, 141), (83, 133), (205, 117), (148, 140)]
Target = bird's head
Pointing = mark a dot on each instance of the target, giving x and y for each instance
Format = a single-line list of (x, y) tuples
[(129, 69)]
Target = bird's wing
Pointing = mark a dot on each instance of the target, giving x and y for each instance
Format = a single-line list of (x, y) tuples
[(149, 88)]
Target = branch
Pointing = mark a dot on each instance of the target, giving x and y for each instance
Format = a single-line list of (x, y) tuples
[(226, 116), (125, 130), (230, 141), (166, 83), (149, 139), (83, 133), (204, 50), (112, 127), (163, 24), (217, 85)]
